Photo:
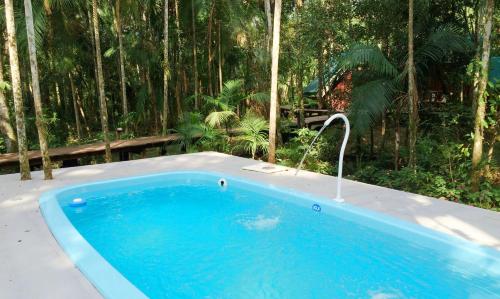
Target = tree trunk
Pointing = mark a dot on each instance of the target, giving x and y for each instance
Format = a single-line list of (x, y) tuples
[(209, 48), (300, 88), (75, 107), (492, 139), (274, 81), (16, 90), (5, 124), (321, 77), (179, 62), (412, 93), (37, 97), (397, 135), (166, 70), (219, 53), (152, 96), (477, 149), (100, 79), (269, 18), (123, 78), (381, 147), (195, 62), (476, 67)]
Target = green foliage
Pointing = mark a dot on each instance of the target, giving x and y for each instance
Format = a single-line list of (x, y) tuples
[(252, 136), (4, 86), (189, 129), (3, 148), (291, 153), (430, 183), (213, 139), (368, 56)]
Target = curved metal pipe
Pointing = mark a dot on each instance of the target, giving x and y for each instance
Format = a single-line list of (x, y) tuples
[(342, 149)]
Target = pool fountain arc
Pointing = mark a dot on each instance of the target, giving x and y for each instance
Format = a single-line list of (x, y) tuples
[(342, 149)]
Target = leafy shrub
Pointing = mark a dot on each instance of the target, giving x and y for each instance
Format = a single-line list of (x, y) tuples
[(291, 153)]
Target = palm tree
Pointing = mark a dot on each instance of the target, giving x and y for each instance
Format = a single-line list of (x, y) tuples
[(222, 109), (382, 83), (477, 150), (412, 92), (100, 82), (253, 137), (16, 90), (189, 129), (274, 81), (40, 125), (166, 70), (5, 124)]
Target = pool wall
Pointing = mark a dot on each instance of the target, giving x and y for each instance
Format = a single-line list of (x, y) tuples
[(112, 284)]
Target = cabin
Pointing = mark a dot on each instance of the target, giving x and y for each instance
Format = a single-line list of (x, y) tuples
[(336, 93)]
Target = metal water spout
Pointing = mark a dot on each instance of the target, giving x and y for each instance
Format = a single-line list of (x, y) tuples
[(342, 149)]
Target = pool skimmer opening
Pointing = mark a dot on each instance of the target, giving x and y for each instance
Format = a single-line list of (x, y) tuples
[(222, 183)]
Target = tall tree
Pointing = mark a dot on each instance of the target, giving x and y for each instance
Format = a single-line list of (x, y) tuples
[(16, 90), (480, 101), (37, 97), (274, 81), (195, 62), (123, 78), (100, 83), (75, 106), (179, 61), (412, 91), (166, 69), (209, 48), (219, 53), (5, 124), (269, 22)]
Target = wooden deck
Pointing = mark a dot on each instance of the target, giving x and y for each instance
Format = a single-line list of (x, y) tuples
[(78, 151)]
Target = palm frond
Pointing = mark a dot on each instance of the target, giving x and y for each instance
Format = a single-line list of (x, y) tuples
[(253, 135), (444, 41), (369, 56), (217, 119), (369, 101), (260, 97)]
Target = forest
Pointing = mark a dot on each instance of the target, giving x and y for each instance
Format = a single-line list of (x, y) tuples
[(419, 81)]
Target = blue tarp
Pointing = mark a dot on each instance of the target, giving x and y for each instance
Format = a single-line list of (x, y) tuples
[(332, 72)]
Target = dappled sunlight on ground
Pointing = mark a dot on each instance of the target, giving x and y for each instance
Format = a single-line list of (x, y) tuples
[(456, 226)]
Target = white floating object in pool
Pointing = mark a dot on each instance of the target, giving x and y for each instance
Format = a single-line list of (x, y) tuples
[(222, 183), (78, 202)]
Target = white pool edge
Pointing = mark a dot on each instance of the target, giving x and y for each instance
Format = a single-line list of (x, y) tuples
[(105, 278)]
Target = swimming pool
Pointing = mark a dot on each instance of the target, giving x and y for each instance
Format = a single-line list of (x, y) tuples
[(182, 235)]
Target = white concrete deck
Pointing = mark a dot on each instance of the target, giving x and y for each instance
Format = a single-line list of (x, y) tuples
[(32, 265)]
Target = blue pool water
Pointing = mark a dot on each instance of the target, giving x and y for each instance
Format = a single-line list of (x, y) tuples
[(181, 235)]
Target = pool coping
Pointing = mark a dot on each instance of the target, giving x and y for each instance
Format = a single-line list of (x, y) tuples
[(22, 197), (109, 281)]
